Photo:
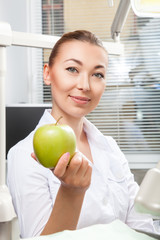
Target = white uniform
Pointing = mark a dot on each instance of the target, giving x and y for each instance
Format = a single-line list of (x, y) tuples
[(109, 197)]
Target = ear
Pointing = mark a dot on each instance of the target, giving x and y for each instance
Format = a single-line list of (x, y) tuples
[(46, 74)]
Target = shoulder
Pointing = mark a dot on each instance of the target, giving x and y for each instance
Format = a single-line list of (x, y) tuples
[(111, 141), (113, 145), (20, 164), (118, 163), (24, 145)]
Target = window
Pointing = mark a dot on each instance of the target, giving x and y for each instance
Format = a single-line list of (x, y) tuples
[(130, 107)]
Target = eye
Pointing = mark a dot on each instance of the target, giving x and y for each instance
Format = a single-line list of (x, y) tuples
[(98, 75), (71, 69)]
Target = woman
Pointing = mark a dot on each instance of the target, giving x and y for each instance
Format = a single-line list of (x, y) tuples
[(79, 194)]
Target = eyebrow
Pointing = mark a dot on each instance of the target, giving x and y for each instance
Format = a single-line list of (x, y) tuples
[(80, 63), (74, 60)]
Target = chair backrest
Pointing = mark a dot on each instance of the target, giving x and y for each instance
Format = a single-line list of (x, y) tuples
[(20, 121)]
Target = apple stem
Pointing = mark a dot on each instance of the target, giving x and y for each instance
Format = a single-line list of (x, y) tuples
[(58, 120)]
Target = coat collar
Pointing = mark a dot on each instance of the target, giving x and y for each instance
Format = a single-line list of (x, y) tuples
[(93, 134)]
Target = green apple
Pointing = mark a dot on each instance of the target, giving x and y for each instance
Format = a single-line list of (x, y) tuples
[(51, 141)]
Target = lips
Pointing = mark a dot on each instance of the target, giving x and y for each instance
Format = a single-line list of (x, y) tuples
[(80, 100)]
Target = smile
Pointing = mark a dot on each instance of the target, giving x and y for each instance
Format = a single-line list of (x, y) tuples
[(80, 100)]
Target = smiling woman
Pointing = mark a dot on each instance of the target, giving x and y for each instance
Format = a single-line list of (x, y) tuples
[(48, 201)]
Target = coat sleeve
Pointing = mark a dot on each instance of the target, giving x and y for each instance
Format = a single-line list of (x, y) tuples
[(30, 189)]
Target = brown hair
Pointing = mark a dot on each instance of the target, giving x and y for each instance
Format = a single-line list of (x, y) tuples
[(80, 35)]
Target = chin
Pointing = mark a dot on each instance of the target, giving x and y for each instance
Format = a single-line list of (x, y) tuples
[(77, 114), (80, 115)]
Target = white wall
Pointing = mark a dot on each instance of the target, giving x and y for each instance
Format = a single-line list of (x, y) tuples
[(15, 13)]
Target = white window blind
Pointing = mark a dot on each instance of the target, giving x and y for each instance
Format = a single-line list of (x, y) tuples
[(130, 107)]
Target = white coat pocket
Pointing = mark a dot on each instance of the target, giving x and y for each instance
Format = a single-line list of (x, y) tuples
[(119, 196)]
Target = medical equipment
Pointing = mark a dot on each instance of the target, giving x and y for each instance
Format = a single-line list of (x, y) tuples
[(146, 8), (142, 8), (148, 197), (120, 19)]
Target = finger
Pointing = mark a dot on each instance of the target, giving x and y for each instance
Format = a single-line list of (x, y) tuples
[(89, 162), (84, 166), (62, 164), (74, 164), (87, 176), (88, 172)]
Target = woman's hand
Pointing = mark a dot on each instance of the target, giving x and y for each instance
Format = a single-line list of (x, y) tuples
[(77, 174), (75, 177)]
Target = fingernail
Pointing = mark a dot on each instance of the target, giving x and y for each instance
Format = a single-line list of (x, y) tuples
[(67, 155)]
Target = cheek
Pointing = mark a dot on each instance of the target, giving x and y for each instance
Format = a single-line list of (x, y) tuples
[(60, 88), (99, 90), (57, 83), (60, 80), (97, 97)]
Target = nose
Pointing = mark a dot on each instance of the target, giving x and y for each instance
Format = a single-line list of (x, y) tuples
[(83, 82)]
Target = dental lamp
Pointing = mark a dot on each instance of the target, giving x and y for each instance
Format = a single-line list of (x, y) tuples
[(142, 8), (146, 8)]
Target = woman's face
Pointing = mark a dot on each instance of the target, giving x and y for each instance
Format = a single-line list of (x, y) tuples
[(77, 78)]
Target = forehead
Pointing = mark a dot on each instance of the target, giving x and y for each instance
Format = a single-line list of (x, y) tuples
[(83, 51)]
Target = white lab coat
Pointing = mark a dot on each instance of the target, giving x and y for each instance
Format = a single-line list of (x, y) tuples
[(109, 197)]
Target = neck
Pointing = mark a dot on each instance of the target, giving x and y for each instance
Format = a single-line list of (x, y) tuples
[(75, 123)]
